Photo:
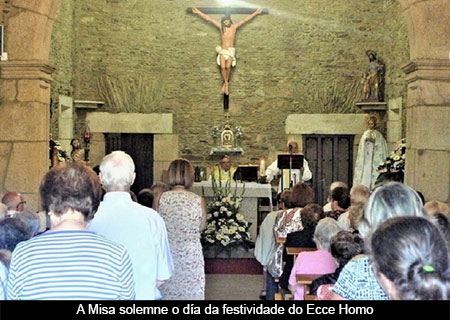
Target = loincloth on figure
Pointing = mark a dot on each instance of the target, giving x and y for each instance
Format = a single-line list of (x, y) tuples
[(226, 53)]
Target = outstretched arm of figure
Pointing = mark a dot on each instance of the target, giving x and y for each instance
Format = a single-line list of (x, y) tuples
[(249, 17), (206, 17)]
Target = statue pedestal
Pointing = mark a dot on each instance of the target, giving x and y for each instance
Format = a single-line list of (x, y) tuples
[(375, 106)]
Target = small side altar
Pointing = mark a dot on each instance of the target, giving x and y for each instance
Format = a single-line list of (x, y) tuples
[(248, 207)]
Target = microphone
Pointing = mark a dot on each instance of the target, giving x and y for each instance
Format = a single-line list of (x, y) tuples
[(290, 148)]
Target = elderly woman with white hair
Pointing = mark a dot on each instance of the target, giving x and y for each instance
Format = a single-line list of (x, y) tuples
[(357, 280), (319, 261)]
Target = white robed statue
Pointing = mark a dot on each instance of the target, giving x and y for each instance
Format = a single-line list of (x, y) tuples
[(372, 151)]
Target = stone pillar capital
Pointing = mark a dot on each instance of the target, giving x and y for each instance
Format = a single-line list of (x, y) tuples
[(26, 70), (427, 69)]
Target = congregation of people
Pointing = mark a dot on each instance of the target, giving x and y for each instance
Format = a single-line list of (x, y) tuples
[(364, 244), (100, 241), (94, 239)]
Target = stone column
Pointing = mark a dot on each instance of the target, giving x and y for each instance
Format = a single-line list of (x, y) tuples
[(25, 95), (428, 104), (427, 128), (24, 110)]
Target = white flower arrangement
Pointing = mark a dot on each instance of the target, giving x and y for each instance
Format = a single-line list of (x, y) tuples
[(394, 165), (226, 228)]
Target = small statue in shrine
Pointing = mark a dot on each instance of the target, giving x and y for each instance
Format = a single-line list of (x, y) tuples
[(373, 79), (77, 153), (227, 137)]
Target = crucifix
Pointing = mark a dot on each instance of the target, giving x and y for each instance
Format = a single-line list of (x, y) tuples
[(226, 58)]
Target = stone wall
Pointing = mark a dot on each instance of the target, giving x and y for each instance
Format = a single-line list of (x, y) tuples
[(301, 46), (61, 51)]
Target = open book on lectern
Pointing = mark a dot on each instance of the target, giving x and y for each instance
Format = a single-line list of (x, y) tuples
[(284, 161)]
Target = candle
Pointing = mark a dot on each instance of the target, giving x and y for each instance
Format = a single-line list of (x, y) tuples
[(262, 168)]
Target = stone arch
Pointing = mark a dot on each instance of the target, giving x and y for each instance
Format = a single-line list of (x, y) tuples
[(25, 93)]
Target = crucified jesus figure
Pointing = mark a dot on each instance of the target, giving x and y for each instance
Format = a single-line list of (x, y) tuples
[(226, 53)]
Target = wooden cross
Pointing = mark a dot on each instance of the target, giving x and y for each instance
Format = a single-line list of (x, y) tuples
[(227, 10)]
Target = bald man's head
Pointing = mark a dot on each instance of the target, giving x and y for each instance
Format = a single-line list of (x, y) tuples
[(292, 146), (14, 201)]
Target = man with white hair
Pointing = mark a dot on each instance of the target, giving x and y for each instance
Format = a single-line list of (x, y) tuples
[(140, 229)]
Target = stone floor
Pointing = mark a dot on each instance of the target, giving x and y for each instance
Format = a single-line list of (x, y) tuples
[(233, 286)]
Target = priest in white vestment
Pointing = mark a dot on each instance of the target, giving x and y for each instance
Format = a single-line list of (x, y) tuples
[(296, 175)]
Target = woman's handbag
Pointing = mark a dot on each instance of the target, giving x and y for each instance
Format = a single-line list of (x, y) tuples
[(275, 265)]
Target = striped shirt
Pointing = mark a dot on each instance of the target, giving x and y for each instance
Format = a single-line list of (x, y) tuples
[(3, 281), (70, 265)]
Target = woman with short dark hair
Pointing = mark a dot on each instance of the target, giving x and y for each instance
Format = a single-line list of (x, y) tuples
[(68, 261), (301, 195)]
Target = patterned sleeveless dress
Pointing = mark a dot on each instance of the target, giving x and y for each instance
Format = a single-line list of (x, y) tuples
[(182, 214)]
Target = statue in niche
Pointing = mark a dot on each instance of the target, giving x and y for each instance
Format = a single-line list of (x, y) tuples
[(373, 78), (77, 152), (226, 53), (372, 151)]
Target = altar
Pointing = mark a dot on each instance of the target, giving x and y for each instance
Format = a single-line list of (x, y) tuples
[(249, 206)]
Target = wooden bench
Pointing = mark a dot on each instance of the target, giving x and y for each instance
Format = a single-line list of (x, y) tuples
[(295, 251), (305, 280), (281, 240)]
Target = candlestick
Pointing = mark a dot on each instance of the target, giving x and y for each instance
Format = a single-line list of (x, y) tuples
[(262, 168)]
